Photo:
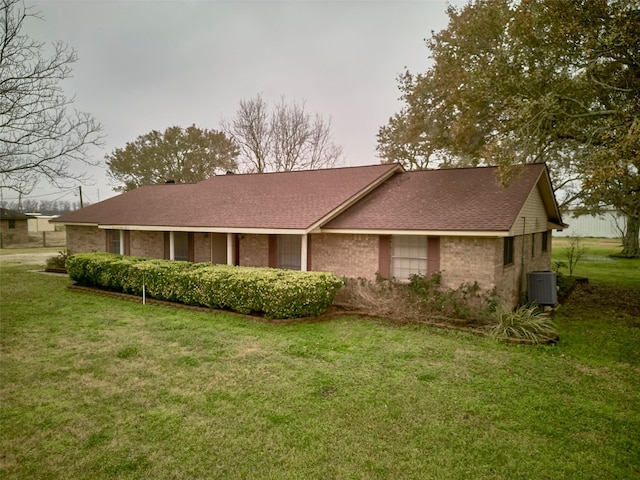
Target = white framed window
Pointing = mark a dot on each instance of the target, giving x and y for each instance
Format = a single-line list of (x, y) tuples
[(289, 251), (408, 256)]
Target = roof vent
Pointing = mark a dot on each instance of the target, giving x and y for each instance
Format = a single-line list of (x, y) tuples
[(229, 172), (171, 180)]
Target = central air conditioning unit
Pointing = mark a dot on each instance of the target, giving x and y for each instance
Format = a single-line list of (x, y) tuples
[(542, 288)]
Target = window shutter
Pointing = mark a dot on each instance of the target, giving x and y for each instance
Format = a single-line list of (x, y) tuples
[(107, 240), (127, 241), (190, 245), (384, 256), (433, 255), (167, 246), (273, 251)]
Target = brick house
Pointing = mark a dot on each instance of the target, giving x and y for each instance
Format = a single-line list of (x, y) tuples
[(14, 227), (353, 221)]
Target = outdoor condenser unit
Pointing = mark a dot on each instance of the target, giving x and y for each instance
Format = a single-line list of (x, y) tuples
[(542, 288)]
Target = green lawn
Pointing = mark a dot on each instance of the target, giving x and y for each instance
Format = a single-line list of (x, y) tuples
[(92, 387), (598, 263)]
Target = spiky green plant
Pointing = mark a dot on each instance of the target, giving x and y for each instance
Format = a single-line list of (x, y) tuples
[(527, 322)]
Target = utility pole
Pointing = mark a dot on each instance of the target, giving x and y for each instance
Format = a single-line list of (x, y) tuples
[(80, 190)]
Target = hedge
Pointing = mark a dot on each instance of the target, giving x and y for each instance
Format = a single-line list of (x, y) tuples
[(273, 292)]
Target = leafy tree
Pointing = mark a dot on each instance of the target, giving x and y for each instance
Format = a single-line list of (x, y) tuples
[(284, 138), (39, 137), (531, 81), (182, 155)]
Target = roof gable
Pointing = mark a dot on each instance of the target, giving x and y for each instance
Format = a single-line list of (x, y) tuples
[(452, 200)]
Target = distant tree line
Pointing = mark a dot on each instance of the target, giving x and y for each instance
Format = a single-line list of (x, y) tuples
[(43, 207)]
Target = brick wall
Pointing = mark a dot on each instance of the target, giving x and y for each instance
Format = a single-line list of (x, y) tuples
[(201, 247), (350, 256), (469, 259), (254, 250), (85, 239), (511, 280), (146, 244)]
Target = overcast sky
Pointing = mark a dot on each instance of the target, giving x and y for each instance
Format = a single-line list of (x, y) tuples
[(146, 65)]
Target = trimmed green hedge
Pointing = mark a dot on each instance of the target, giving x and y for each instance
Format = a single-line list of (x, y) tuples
[(275, 293)]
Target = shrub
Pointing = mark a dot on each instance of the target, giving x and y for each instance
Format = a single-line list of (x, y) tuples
[(58, 262), (275, 293), (423, 296), (526, 322)]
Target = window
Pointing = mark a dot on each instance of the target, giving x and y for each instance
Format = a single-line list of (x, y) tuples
[(545, 241), (289, 250), (508, 251), (181, 246), (408, 256), (12, 223), (114, 244)]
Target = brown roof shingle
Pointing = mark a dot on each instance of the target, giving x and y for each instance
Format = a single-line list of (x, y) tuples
[(459, 199), (286, 200)]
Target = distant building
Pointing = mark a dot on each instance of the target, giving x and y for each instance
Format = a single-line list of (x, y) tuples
[(13, 227), (606, 225), (40, 223)]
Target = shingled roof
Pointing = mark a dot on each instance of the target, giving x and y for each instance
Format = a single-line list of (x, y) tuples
[(253, 202), (447, 200), (6, 214), (376, 198)]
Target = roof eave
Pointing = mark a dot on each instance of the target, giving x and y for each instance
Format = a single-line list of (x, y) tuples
[(172, 228), (438, 233)]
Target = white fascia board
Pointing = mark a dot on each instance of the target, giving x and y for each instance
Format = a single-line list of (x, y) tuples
[(166, 228), (434, 233), (556, 226)]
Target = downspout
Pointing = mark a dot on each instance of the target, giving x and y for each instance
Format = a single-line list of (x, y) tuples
[(524, 229)]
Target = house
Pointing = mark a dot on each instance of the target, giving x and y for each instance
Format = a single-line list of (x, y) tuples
[(39, 223), (13, 227), (356, 222)]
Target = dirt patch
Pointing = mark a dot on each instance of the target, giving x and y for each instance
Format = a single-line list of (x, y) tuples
[(620, 301), (27, 258)]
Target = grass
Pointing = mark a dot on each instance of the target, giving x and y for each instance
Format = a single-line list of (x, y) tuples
[(598, 264), (91, 387)]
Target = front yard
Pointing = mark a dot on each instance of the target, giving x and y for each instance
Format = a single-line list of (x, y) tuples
[(94, 388)]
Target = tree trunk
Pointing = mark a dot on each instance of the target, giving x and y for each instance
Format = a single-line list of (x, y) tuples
[(630, 242)]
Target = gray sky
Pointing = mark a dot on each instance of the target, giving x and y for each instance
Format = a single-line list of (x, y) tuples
[(146, 65)]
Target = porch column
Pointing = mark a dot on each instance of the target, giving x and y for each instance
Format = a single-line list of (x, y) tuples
[(172, 246), (304, 244), (121, 232), (230, 245)]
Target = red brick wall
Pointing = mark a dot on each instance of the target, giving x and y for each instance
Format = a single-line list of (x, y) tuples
[(351, 256), (254, 250), (85, 239)]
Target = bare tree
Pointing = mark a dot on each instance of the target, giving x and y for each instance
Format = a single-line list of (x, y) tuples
[(251, 131), (282, 139), (39, 136)]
